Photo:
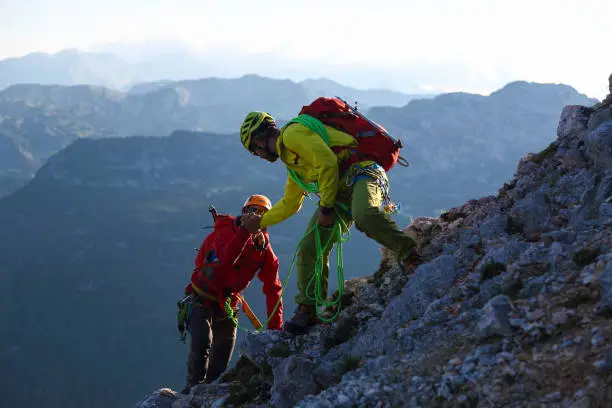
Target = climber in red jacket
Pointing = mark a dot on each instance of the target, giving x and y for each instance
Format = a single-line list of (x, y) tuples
[(227, 261)]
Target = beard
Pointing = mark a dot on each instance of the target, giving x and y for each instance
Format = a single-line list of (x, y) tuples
[(269, 156)]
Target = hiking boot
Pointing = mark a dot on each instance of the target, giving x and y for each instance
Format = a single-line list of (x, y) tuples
[(305, 316), (412, 260)]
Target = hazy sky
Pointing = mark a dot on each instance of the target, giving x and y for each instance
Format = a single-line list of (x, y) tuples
[(493, 41)]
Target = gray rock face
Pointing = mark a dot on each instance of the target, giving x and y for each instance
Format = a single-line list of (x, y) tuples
[(605, 364), (256, 346), (493, 226), (599, 145), (574, 119), (329, 372), (495, 319), (505, 253), (605, 282), (534, 213), (427, 284), (294, 379), (604, 191)]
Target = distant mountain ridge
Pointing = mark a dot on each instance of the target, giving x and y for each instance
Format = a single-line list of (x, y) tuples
[(67, 67), (74, 67), (122, 69)]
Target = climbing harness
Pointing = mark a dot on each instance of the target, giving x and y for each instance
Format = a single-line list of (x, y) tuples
[(376, 172), (186, 304)]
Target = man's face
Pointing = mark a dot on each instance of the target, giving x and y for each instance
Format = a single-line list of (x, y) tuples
[(259, 146), (253, 209)]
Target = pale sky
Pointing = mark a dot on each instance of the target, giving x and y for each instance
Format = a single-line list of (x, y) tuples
[(498, 41)]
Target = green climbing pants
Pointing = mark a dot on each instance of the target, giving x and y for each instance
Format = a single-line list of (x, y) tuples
[(364, 200)]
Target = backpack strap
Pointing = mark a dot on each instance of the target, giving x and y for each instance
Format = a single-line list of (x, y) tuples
[(316, 126)]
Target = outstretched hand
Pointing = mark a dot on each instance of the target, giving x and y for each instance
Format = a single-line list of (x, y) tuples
[(250, 222)]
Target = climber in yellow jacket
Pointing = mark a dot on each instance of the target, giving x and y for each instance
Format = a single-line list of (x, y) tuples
[(361, 190)]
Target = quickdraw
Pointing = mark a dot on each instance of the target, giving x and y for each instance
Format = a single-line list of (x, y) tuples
[(185, 306), (376, 172)]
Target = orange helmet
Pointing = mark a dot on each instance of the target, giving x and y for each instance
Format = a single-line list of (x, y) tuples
[(258, 199)]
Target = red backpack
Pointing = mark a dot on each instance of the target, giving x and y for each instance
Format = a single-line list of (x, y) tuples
[(375, 143)]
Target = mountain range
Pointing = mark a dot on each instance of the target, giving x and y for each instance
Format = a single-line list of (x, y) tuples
[(122, 66), (73, 67)]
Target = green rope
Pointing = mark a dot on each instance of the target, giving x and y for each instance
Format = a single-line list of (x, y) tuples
[(231, 313), (308, 187), (317, 277), (313, 123)]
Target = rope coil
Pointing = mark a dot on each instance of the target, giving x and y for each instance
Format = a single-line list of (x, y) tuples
[(317, 277)]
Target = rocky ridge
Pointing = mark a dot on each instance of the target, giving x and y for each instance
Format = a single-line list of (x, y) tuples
[(510, 307)]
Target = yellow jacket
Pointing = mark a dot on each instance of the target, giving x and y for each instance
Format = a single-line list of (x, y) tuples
[(306, 153)]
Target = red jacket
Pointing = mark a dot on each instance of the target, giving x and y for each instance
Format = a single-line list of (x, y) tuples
[(239, 260)]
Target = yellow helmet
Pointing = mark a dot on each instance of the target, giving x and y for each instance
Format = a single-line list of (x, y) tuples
[(258, 199), (251, 124)]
